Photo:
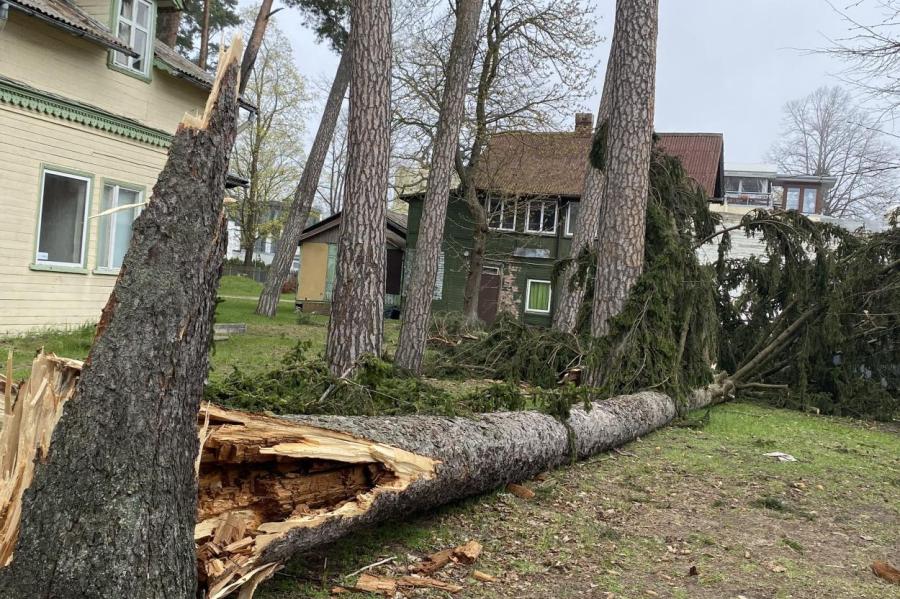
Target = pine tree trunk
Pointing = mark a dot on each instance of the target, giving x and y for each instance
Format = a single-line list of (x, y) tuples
[(305, 192), (111, 509), (571, 293), (357, 305), (203, 56), (255, 42), (420, 290), (167, 24), (248, 255), (621, 241)]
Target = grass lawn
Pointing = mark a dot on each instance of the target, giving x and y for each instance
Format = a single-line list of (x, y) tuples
[(631, 524), (259, 349)]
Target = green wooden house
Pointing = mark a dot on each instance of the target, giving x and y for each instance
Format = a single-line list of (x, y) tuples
[(531, 184)]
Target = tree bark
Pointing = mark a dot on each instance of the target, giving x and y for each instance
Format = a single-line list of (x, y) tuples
[(203, 56), (111, 507), (255, 42), (272, 487), (587, 227), (167, 24), (420, 290), (357, 305), (472, 290), (305, 192), (621, 241)]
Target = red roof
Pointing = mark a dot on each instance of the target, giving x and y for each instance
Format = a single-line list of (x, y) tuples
[(541, 163), (701, 154)]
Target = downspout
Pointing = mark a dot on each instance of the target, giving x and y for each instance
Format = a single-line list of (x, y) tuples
[(4, 14)]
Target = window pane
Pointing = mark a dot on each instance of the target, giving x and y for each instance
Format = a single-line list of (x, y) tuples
[(140, 46), (127, 9), (792, 198), (509, 215), (62, 219), (493, 213), (809, 200), (572, 217), (534, 216), (538, 296), (549, 223), (732, 184), (115, 229), (143, 15), (751, 185)]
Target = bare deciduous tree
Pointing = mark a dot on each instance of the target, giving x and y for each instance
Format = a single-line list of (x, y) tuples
[(827, 133), (269, 153), (330, 193)]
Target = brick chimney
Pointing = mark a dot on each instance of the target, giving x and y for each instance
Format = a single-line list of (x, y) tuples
[(584, 122)]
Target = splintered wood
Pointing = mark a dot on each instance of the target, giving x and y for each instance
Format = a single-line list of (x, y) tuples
[(27, 428), (259, 477)]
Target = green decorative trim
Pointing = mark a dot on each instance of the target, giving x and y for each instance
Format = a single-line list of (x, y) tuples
[(38, 101), (74, 270)]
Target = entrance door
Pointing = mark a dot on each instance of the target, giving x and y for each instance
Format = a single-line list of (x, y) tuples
[(489, 294)]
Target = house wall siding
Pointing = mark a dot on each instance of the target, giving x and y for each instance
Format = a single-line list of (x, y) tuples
[(57, 62), (514, 270), (32, 299)]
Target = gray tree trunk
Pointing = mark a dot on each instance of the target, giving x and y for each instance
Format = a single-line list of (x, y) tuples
[(357, 305), (571, 293), (111, 510), (255, 42), (167, 24), (420, 290), (305, 192), (621, 240)]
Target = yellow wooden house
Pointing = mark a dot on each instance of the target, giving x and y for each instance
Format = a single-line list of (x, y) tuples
[(89, 100)]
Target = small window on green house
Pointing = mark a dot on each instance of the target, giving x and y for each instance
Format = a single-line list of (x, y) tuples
[(62, 224), (135, 30), (114, 231), (537, 297)]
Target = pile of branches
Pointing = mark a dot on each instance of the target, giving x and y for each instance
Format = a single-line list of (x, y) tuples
[(814, 322)]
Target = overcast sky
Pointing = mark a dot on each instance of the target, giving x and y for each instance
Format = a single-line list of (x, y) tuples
[(725, 66)]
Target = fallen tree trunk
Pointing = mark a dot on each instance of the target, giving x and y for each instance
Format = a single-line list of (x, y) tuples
[(272, 487)]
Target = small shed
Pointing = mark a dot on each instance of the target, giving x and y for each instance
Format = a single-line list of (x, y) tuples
[(318, 263)]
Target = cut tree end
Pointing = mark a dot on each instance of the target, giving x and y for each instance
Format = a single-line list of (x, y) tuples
[(231, 56), (261, 478)]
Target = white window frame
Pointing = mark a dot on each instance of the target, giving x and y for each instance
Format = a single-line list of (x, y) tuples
[(147, 51), (85, 225), (528, 296), (569, 232), (540, 231), (504, 202), (115, 215)]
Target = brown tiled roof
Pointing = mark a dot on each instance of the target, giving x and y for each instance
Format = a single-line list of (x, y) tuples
[(700, 153), (72, 17), (527, 163)]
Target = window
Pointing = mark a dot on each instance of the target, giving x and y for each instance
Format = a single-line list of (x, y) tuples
[(541, 217), (571, 215), (792, 198), (135, 31), (746, 185), (62, 222), (733, 184), (502, 214), (809, 200), (114, 230), (537, 297)]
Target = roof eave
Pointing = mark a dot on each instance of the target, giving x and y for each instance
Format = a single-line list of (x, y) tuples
[(76, 31)]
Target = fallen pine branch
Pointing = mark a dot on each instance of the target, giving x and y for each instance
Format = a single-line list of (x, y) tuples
[(273, 487)]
